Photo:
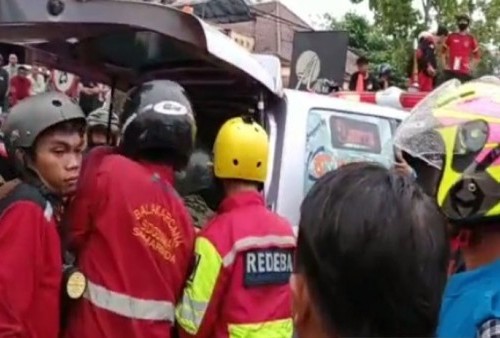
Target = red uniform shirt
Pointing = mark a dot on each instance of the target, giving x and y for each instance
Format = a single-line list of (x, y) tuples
[(30, 273), (460, 49), (134, 242), (20, 88), (239, 287)]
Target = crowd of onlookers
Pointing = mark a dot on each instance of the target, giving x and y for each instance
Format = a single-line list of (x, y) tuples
[(439, 56), (19, 81)]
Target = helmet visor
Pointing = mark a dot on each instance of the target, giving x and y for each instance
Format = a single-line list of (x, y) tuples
[(473, 110)]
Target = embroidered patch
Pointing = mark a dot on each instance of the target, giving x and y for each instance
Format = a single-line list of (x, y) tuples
[(268, 267)]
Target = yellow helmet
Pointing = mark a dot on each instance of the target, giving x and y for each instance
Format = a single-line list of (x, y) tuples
[(241, 150), (458, 132)]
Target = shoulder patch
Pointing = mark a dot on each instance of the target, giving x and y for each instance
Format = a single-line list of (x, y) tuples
[(267, 267)]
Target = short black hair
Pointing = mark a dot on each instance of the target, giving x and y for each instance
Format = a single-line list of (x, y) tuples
[(362, 60), (442, 31), (374, 250)]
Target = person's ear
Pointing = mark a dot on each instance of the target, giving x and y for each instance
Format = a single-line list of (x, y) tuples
[(301, 302)]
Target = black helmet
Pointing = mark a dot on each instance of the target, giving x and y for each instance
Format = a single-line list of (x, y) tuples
[(198, 175), (385, 69), (158, 117)]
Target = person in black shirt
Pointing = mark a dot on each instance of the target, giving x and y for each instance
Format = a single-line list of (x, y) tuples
[(362, 80)]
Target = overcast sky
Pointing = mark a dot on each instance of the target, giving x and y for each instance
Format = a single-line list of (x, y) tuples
[(310, 10)]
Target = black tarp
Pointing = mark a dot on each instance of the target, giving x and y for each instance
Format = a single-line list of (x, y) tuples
[(329, 52)]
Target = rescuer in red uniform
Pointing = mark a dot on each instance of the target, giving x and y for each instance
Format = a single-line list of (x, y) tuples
[(239, 284), (461, 52), (44, 139), (131, 232)]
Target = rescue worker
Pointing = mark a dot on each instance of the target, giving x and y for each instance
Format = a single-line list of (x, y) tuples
[(460, 126), (45, 141), (130, 230), (239, 284), (97, 128), (461, 52), (193, 184)]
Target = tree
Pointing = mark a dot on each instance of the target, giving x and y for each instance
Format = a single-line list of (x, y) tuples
[(401, 20), (369, 40)]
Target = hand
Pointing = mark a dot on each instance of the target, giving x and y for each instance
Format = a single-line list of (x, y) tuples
[(402, 167)]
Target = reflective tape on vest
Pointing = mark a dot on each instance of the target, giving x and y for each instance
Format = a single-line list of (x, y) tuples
[(255, 243), (199, 291), (127, 306)]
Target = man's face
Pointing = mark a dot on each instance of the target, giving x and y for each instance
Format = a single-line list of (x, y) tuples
[(12, 59), (22, 73), (58, 160)]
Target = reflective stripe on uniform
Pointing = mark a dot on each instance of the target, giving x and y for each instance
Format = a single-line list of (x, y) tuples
[(198, 293), (127, 306), (256, 242), (282, 328)]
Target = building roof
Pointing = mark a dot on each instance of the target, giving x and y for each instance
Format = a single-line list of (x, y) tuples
[(273, 29), (223, 11)]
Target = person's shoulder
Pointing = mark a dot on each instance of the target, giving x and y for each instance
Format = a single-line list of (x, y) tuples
[(280, 223), (25, 196)]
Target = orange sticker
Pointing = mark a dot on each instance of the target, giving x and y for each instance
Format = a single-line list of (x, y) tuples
[(322, 163)]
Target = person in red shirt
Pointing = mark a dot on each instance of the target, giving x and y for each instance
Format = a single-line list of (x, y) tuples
[(20, 86), (461, 52), (131, 233), (239, 284), (44, 139)]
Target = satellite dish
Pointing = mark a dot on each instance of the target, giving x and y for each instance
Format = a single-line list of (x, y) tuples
[(307, 68), (63, 81)]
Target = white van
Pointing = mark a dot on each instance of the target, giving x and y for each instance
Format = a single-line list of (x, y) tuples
[(312, 134), (110, 42)]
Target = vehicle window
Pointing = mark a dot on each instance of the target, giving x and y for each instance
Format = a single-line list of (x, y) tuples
[(353, 134), (335, 138)]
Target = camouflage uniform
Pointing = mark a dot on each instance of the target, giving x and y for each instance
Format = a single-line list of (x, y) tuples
[(198, 209)]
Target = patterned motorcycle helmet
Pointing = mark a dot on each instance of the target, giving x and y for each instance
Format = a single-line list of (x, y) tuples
[(456, 129)]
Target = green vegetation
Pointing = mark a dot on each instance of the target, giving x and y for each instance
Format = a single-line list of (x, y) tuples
[(398, 22)]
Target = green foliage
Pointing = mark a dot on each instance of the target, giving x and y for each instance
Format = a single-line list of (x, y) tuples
[(398, 23), (369, 40)]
